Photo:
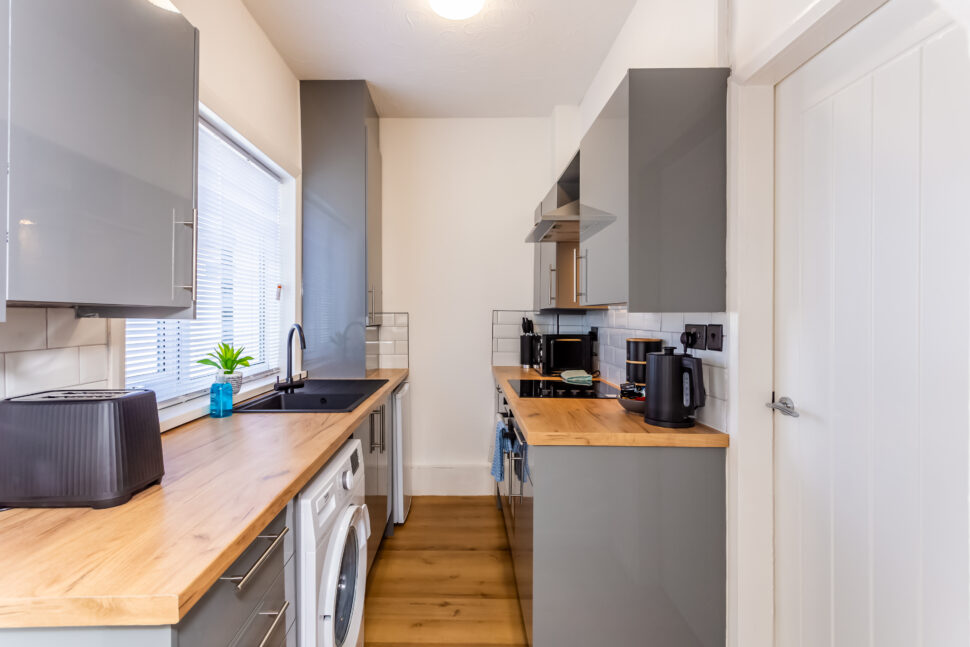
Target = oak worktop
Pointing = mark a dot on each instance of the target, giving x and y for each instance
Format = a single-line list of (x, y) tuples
[(147, 562), (592, 422)]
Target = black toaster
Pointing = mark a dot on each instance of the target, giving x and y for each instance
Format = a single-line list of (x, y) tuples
[(78, 448)]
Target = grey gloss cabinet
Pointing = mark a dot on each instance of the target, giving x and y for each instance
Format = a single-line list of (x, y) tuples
[(103, 111), (653, 194), (620, 546), (341, 224), (374, 435)]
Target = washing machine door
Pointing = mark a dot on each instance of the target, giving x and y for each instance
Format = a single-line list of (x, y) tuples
[(342, 580)]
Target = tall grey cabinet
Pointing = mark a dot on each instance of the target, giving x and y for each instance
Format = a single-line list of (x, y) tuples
[(341, 224), (653, 194), (102, 154)]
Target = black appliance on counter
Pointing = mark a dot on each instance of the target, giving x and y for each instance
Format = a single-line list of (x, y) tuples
[(675, 389), (530, 345), (560, 389), (78, 448), (566, 352)]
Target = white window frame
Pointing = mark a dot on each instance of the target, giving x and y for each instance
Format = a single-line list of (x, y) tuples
[(183, 409)]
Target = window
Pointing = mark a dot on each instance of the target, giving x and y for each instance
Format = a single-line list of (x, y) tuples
[(238, 273)]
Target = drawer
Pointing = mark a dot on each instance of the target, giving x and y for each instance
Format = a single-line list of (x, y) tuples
[(273, 616), (218, 617)]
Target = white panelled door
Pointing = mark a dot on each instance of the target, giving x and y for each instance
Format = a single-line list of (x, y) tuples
[(872, 310)]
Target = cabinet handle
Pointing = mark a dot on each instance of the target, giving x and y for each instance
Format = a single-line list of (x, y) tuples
[(276, 622), (383, 428), (194, 224), (552, 283), (373, 445), (372, 310), (575, 278), (242, 580), (584, 258)]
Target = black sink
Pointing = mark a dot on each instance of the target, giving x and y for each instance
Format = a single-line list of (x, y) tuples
[(316, 396)]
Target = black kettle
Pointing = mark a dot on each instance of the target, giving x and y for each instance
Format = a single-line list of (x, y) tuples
[(675, 389)]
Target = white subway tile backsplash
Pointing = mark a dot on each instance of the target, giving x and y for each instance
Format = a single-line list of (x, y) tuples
[(510, 317), (620, 319), (38, 370), (714, 413), (506, 331), (372, 333), (507, 345), (372, 348), (393, 361), (386, 347), (92, 363), (505, 359), (24, 329), (64, 329), (717, 381), (401, 347), (393, 333), (373, 362), (672, 322), (400, 319)]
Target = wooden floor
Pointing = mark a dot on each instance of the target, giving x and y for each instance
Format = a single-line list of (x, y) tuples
[(445, 578)]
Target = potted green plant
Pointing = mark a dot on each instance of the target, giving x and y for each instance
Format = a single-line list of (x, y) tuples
[(227, 359)]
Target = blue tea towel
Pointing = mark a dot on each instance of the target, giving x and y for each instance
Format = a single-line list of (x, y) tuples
[(502, 445)]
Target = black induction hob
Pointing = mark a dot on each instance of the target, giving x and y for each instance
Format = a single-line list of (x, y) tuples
[(560, 389)]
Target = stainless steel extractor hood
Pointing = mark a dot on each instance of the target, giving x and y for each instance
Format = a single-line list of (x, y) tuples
[(557, 226), (563, 225)]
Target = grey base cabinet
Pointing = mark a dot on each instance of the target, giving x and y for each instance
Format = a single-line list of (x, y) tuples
[(260, 611), (619, 546), (374, 435)]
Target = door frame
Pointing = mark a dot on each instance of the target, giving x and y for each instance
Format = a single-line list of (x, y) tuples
[(750, 299)]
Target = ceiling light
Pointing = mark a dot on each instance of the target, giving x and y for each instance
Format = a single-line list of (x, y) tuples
[(457, 9), (166, 5)]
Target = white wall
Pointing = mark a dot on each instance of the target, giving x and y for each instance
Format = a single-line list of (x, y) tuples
[(658, 33), (458, 197), (756, 23), (245, 81)]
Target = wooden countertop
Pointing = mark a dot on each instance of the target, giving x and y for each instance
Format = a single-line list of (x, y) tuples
[(147, 562), (597, 423)]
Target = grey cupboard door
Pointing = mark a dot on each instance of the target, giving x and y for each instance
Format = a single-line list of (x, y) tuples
[(103, 115), (604, 210), (547, 275)]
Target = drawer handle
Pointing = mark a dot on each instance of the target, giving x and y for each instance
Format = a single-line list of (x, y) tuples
[(276, 622), (242, 580)]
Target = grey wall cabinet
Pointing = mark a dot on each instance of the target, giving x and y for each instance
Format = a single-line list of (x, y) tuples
[(653, 194), (341, 224), (101, 197)]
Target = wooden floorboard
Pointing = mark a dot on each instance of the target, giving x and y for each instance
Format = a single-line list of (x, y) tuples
[(445, 578)]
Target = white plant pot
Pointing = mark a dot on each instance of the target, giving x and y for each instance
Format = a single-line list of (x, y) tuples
[(235, 379)]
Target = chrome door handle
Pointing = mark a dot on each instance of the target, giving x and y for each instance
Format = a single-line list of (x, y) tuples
[(552, 283), (583, 258), (383, 411), (784, 406), (276, 622), (575, 278), (194, 224), (373, 445), (372, 315), (242, 580)]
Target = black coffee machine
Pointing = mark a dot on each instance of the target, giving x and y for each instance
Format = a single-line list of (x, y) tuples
[(675, 389)]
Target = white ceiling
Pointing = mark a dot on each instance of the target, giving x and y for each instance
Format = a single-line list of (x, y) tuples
[(518, 58)]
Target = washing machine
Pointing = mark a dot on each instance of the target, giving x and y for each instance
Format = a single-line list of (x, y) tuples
[(332, 530)]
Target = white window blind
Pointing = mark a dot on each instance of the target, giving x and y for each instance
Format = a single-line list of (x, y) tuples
[(238, 271)]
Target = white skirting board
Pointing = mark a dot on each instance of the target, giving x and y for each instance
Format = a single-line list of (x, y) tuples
[(452, 480)]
